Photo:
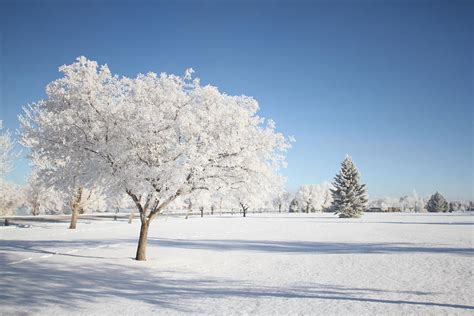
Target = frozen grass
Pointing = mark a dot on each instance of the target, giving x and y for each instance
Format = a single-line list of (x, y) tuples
[(262, 264)]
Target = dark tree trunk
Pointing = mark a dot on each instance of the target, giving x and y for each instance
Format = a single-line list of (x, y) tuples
[(116, 212), (142, 241), (244, 209), (35, 210), (188, 211), (202, 211), (279, 208)]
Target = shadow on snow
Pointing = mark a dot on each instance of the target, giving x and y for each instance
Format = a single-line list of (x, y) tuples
[(306, 246), (34, 285)]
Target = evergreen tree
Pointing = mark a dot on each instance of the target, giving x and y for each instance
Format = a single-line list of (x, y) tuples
[(349, 197), (437, 203), (294, 206)]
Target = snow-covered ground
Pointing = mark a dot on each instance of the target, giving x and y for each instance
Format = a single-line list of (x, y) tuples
[(263, 264)]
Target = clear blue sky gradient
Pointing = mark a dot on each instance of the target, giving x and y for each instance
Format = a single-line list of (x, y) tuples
[(389, 82)]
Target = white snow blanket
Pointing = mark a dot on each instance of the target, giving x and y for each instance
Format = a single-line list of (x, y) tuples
[(268, 264)]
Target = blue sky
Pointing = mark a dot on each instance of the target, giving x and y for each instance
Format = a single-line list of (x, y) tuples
[(389, 82)]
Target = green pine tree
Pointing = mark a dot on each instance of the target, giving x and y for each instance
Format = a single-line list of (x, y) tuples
[(349, 196)]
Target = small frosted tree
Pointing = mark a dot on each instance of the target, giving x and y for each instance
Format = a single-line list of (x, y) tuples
[(282, 200), (258, 190), (314, 197), (11, 195), (349, 196), (41, 199), (6, 151), (437, 203)]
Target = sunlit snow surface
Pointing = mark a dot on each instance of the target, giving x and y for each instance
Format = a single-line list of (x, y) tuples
[(262, 264)]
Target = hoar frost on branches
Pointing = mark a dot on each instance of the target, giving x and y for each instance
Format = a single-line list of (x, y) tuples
[(282, 201), (6, 151), (313, 197), (349, 196), (407, 203), (258, 191), (41, 199), (11, 195), (155, 137)]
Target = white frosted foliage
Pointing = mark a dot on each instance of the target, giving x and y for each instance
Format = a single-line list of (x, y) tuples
[(155, 137)]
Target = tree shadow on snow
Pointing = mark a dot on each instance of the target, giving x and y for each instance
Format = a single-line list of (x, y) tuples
[(55, 247), (305, 246), (32, 286), (63, 247)]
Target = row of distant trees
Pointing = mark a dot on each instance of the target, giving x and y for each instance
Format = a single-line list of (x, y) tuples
[(435, 203), (35, 199), (317, 198)]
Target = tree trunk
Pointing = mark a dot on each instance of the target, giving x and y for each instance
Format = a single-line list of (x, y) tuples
[(188, 211), (279, 208), (35, 209), (75, 213), (76, 207), (244, 211), (202, 211), (142, 241), (130, 217)]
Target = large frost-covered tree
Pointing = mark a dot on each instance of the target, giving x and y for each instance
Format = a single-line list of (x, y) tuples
[(155, 137), (349, 196), (437, 203)]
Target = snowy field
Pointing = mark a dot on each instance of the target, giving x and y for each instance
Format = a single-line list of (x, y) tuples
[(263, 264)]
